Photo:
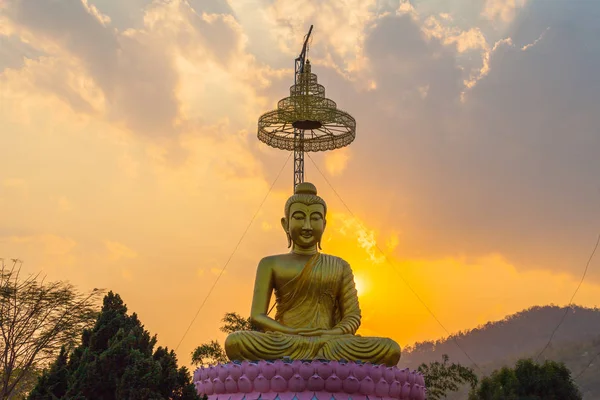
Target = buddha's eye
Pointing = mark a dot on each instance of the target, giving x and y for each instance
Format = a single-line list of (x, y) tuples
[(298, 217)]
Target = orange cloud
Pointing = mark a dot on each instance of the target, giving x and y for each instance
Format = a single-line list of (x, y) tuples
[(337, 160), (119, 251), (503, 11)]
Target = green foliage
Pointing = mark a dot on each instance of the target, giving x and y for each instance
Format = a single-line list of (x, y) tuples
[(209, 354), (528, 380), (233, 322), (212, 352), (441, 378), (37, 318), (116, 360)]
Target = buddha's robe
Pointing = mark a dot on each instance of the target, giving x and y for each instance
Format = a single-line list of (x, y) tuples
[(323, 296)]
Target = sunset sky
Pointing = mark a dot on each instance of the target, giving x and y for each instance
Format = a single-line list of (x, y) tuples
[(130, 160)]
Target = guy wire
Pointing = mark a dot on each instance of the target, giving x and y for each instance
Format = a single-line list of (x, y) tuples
[(587, 265), (396, 270), (233, 252)]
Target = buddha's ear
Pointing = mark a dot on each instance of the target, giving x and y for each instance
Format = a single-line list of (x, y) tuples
[(284, 224)]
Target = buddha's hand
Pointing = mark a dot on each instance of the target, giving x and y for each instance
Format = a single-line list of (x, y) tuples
[(319, 332)]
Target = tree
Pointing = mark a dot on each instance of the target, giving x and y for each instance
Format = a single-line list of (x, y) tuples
[(212, 352), (441, 378), (37, 318), (528, 380), (116, 360)]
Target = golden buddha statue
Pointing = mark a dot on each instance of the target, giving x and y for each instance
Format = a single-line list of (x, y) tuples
[(317, 303)]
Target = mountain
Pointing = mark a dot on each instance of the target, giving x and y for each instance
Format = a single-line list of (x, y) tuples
[(523, 335)]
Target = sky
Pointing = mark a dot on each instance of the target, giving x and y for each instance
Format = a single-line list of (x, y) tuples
[(130, 160)]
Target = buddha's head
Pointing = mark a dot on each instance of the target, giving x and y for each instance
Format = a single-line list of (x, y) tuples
[(304, 220)]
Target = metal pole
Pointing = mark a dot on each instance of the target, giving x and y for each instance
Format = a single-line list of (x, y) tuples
[(298, 157), (298, 133)]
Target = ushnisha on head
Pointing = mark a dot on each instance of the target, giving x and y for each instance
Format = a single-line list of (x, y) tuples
[(304, 220)]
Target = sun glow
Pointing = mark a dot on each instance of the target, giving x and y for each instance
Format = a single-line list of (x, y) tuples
[(361, 286)]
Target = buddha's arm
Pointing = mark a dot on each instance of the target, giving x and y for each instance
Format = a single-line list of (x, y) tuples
[(348, 301), (263, 288)]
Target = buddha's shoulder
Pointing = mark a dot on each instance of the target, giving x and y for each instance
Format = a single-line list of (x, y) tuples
[(336, 260), (273, 259)]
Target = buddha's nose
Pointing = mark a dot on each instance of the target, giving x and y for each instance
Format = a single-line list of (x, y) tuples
[(307, 226)]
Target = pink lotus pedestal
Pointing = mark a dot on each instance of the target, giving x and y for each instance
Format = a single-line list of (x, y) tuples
[(313, 380)]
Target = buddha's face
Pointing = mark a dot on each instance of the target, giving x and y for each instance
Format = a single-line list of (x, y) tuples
[(306, 224)]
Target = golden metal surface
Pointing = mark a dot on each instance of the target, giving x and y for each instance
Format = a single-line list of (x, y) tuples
[(317, 304), (324, 126)]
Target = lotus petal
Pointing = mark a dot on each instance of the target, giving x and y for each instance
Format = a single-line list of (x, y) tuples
[(305, 395), (286, 371), (360, 371), (401, 376), (405, 393), (268, 370), (208, 387), (297, 384), (261, 384), (287, 395), (395, 390), (235, 371), (315, 383), (244, 384), (268, 396), (278, 384), (324, 370), (389, 375), (333, 384), (251, 371), (342, 371), (218, 386), (414, 391), (382, 388), (323, 395), (367, 386), (351, 385), (306, 370), (230, 385), (376, 372)]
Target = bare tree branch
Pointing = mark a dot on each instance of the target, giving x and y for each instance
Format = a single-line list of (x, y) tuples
[(36, 319)]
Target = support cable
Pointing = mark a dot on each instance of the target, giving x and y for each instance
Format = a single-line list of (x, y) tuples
[(232, 253), (587, 366), (397, 271), (570, 301)]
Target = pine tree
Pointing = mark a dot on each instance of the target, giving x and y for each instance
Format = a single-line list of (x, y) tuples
[(116, 360), (53, 384)]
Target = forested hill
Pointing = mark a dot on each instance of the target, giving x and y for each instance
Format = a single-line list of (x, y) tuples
[(523, 332), (522, 335)]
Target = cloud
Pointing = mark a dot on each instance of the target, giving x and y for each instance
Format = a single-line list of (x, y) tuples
[(502, 10), (474, 166), (14, 183), (336, 161), (117, 251), (339, 29), (136, 73), (217, 271), (521, 145), (44, 251)]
